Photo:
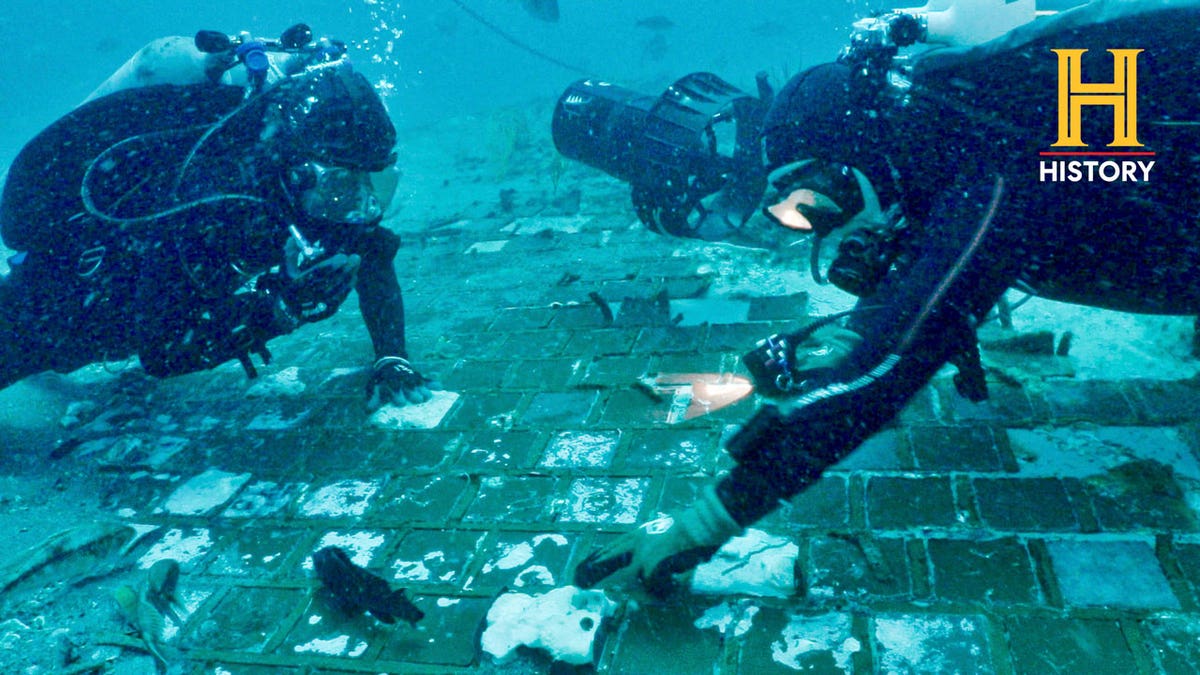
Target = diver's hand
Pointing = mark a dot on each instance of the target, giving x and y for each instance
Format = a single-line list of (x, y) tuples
[(315, 292), (826, 349), (657, 551), (394, 380), (781, 368)]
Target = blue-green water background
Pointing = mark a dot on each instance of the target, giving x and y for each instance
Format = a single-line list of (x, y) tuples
[(434, 60)]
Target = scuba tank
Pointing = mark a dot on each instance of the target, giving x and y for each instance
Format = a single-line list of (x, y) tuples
[(962, 23), (214, 57)]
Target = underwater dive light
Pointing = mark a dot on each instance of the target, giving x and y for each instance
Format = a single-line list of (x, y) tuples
[(697, 139)]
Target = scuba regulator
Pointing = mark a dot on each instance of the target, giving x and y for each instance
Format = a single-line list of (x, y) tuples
[(254, 53)]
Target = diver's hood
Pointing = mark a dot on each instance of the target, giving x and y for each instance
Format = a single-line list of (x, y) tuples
[(814, 117), (331, 114)]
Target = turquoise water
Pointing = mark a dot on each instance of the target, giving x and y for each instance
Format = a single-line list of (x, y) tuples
[(432, 57), (1034, 535)]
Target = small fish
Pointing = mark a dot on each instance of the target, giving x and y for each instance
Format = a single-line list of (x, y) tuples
[(355, 590), (161, 581), (144, 619), (546, 10), (605, 309), (656, 23)]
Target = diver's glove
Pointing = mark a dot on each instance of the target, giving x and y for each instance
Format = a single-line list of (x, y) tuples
[(782, 364), (394, 380), (314, 292), (657, 551)]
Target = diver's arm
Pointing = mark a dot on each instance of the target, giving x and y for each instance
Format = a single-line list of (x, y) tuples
[(393, 379), (379, 297), (923, 318)]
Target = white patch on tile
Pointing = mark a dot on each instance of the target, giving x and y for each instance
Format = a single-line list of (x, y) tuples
[(493, 246), (823, 633), (557, 539), (338, 500), (203, 493), (534, 575), (330, 647), (416, 570), (285, 383), (563, 622), (910, 643), (756, 563), (509, 556), (428, 415), (581, 449), (730, 619), (596, 500), (361, 546), (179, 546)]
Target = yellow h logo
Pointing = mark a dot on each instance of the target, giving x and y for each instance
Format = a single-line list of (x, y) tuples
[(1074, 93)]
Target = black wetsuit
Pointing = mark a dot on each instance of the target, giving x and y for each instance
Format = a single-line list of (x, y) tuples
[(964, 150), (167, 272)]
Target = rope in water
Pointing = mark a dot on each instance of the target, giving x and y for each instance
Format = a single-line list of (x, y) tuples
[(518, 43)]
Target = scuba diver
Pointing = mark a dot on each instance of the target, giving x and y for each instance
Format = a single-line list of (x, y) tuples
[(958, 149), (213, 194)]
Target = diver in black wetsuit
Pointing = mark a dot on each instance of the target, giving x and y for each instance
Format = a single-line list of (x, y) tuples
[(189, 224), (954, 160)]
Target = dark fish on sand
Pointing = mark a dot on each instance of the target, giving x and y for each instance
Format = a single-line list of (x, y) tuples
[(655, 49), (656, 23), (546, 10), (355, 590)]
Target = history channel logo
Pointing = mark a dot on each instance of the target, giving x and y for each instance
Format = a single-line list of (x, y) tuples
[(1074, 94)]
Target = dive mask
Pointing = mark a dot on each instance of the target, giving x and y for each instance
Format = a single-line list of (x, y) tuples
[(341, 195), (812, 196)]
